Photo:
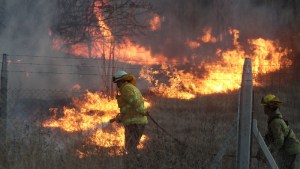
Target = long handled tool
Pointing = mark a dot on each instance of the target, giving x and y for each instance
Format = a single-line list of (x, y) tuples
[(160, 127), (166, 132)]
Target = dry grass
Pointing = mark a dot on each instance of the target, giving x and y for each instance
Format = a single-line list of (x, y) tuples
[(201, 123)]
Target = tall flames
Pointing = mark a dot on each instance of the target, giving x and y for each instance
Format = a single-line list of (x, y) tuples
[(221, 76), (126, 51), (90, 116)]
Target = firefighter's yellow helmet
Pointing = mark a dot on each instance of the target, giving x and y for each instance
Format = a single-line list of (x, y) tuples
[(270, 99)]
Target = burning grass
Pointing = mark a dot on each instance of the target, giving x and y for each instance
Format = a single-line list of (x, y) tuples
[(201, 123)]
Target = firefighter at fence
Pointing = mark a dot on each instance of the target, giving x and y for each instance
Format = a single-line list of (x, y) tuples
[(280, 138), (132, 112)]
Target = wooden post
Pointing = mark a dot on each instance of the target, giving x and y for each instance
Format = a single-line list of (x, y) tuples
[(245, 118)]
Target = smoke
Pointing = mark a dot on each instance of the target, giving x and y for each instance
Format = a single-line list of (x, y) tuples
[(25, 32), (182, 21), (26, 24), (26, 27)]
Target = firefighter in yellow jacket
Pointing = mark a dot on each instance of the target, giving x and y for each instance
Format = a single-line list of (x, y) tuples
[(132, 112), (280, 139)]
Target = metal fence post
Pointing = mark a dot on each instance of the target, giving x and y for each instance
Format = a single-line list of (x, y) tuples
[(245, 118), (2, 13), (3, 99), (3, 112), (263, 146)]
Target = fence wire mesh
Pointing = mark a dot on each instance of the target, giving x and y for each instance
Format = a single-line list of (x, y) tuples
[(202, 123)]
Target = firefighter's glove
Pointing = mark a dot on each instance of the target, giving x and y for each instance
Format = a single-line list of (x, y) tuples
[(112, 120), (144, 113), (260, 156), (147, 113), (118, 118)]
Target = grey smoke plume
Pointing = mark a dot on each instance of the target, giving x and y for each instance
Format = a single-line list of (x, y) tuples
[(27, 23), (276, 20), (25, 27), (25, 31)]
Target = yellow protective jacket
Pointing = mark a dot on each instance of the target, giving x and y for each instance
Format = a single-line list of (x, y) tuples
[(131, 104), (280, 136)]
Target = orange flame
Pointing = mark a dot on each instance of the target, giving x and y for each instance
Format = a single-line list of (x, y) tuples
[(87, 116), (193, 44), (224, 75), (104, 29), (176, 87), (207, 37), (155, 23), (127, 50), (136, 54)]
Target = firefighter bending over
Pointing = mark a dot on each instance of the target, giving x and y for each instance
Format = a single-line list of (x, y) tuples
[(132, 112), (280, 139)]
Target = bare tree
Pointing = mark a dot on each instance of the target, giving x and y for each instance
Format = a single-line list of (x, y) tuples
[(79, 21), (101, 21)]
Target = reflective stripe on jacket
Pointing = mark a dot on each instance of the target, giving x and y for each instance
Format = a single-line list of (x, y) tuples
[(283, 138), (131, 104)]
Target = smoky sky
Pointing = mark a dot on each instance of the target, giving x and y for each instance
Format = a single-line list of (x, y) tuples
[(186, 19), (24, 34), (25, 27), (26, 24)]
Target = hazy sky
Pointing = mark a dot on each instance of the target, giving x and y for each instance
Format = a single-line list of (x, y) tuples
[(27, 25)]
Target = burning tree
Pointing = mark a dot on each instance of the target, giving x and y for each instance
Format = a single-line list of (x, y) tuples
[(100, 24), (98, 20)]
